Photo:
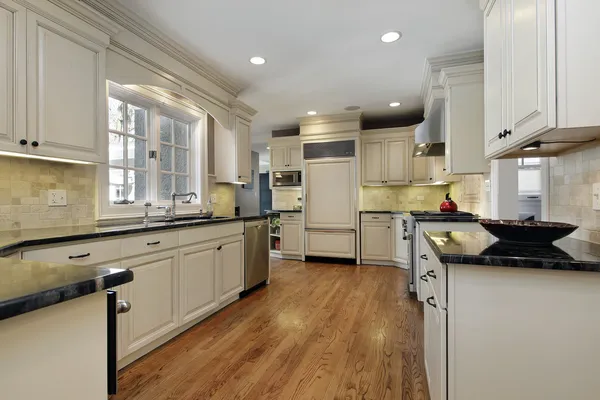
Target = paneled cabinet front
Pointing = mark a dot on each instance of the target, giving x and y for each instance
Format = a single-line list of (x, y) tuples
[(385, 162), (198, 281), (154, 297), (243, 150), (286, 157), (291, 237), (376, 240), (230, 267)]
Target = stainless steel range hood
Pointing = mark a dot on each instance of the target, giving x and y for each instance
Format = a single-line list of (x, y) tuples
[(430, 136)]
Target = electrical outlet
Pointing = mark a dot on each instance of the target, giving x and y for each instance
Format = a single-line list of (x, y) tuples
[(420, 198), (596, 196), (488, 185), (57, 198), (213, 198)]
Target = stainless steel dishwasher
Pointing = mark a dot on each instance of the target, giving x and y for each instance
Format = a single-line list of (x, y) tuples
[(257, 252)]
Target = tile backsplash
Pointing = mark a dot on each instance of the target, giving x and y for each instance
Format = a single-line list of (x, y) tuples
[(403, 198), (286, 199), (24, 185), (571, 179), (471, 196), (225, 192)]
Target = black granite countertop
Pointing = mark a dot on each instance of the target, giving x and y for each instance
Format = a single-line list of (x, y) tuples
[(481, 248), (426, 218), (27, 286), (383, 212), (283, 211), (11, 241)]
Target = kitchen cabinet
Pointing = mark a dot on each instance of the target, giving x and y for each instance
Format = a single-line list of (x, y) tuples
[(286, 154), (422, 168), (154, 297), (230, 267), (291, 234), (333, 243), (400, 243), (440, 173), (539, 76), (385, 162), (198, 281), (236, 167), (53, 88), (376, 240), (464, 119), (13, 59), (435, 347)]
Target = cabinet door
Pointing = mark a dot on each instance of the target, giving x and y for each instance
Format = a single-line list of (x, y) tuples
[(400, 244), (373, 161), (436, 349), (278, 158), (376, 240), (13, 19), (396, 162), (198, 281), (494, 77), (294, 157), (440, 172), (330, 206), (153, 297), (242, 137), (291, 238), (531, 44), (66, 92), (231, 267)]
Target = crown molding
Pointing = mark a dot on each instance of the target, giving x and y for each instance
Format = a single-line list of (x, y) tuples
[(130, 21), (85, 13), (333, 118), (462, 74), (245, 108), (430, 86)]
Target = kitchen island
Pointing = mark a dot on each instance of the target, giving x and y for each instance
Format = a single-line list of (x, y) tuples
[(507, 321), (54, 329)]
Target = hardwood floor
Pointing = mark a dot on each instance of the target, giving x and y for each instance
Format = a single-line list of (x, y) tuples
[(319, 331)]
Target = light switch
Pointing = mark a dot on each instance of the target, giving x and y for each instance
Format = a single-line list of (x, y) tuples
[(488, 185), (596, 196), (57, 198), (213, 198)]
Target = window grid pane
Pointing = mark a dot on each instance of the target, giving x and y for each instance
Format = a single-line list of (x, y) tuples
[(174, 157)]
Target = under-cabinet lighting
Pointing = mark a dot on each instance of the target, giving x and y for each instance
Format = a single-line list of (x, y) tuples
[(312, 113), (394, 104), (62, 160)]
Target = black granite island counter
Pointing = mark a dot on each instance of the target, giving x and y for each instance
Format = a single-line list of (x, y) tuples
[(481, 248), (506, 321), (27, 286)]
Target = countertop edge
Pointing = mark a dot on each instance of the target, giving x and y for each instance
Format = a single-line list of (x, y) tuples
[(46, 298)]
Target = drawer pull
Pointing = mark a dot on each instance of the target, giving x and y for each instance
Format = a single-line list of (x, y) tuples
[(424, 257), (153, 243), (375, 217), (219, 248), (431, 274), (424, 278), (79, 256), (431, 302)]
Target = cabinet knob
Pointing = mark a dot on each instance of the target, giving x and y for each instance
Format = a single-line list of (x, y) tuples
[(219, 248), (500, 135), (507, 132), (23, 142), (123, 307), (35, 143)]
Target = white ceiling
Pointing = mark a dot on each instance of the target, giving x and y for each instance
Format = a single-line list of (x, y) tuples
[(321, 55)]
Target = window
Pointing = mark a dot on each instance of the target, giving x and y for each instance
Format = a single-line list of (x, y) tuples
[(156, 146), (174, 157), (128, 164), (530, 176)]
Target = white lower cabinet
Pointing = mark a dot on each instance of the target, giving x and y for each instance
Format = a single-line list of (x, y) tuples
[(435, 347), (153, 295), (401, 243), (230, 267), (198, 281), (291, 238), (376, 240)]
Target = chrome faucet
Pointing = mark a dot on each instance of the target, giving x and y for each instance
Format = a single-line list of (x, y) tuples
[(175, 195)]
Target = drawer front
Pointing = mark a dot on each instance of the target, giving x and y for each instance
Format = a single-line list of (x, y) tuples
[(139, 245), (377, 217), (209, 233), (79, 254), (331, 244), (291, 217), (436, 274)]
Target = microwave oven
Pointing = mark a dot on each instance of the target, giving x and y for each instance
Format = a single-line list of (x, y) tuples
[(287, 178)]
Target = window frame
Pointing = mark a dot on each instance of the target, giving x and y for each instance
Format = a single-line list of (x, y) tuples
[(158, 103)]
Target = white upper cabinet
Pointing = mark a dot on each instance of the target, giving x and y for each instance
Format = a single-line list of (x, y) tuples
[(440, 173), (464, 119), (13, 19), (540, 58), (286, 154), (233, 151), (385, 161), (53, 88)]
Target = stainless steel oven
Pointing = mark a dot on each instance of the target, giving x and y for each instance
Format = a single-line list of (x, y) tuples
[(287, 178)]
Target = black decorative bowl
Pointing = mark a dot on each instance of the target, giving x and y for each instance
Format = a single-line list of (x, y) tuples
[(527, 232)]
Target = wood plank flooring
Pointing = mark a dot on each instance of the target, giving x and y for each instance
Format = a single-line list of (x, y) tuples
[(319, 331)]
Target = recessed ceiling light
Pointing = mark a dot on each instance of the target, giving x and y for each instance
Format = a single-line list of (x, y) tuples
[(258, 60), (390, 37), (312, 113), (268, 148), (394, 104)]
